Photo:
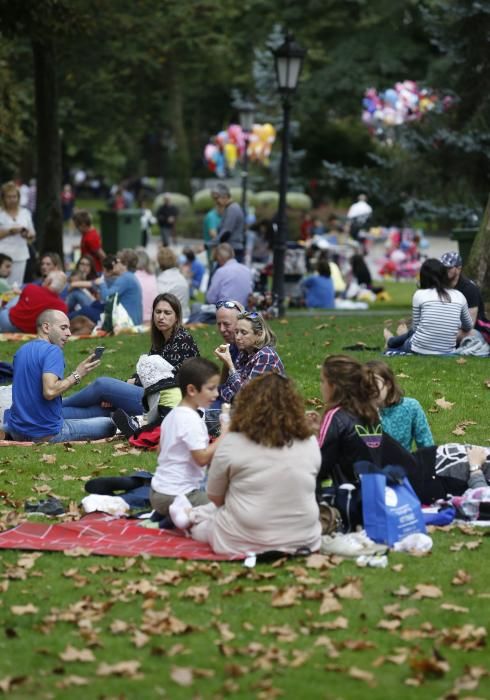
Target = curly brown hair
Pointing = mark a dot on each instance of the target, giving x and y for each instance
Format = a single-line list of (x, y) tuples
[(270, 411), (354, 387)]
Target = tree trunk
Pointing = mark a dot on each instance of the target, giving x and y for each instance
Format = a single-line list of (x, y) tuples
[(179, 158), (478, 267), (48, 205)]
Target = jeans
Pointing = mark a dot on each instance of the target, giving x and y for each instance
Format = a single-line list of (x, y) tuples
[(86, 403), (78, 297), (75, 430), (403, 342), (6, 326)]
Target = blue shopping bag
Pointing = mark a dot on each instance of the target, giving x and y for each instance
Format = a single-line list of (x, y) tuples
[(391, 509)]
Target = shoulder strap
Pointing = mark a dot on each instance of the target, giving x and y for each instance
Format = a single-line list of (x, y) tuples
[(325, 424)]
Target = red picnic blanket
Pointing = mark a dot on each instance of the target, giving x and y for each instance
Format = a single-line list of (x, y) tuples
[(99, 533)]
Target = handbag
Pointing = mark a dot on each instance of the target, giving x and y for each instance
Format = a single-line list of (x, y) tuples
[(390, 507)]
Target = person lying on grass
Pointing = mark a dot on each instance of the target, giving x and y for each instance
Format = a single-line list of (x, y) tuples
[(262, 478), (106, 394), (351, 431), (401, 416), (184, 440)]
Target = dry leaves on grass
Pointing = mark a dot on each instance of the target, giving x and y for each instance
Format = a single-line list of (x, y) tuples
[(460, 428), (445, 405), (71, 653), (28, 609), (424, 590), (49, 459), (285, 598), (126, 669)]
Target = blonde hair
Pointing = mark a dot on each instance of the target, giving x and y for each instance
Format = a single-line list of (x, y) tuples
[(259, 326), (7, 188), (166, 258)]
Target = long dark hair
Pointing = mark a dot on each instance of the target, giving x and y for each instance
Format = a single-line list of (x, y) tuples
[(433, 275), (354, 387), (157, 339)]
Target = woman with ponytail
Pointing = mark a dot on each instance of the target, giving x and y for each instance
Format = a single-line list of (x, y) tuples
[(350, 431), (439, 313)]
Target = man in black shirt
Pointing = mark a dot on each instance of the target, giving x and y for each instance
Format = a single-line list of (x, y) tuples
[(467, 287)]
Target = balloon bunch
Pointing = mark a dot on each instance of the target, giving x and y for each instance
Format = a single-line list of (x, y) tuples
[(227, 147), (404, 103)]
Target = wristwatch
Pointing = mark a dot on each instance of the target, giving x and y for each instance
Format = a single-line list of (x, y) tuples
[(76, 377)]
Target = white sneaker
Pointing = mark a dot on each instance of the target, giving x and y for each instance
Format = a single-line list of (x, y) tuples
[(179, 511)]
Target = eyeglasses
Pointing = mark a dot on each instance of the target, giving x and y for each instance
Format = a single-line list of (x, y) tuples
[(227, 305)]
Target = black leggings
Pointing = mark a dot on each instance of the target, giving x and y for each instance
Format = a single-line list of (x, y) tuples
[(108, 485)]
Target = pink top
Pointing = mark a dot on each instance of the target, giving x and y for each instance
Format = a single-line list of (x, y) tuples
[(148, 284)]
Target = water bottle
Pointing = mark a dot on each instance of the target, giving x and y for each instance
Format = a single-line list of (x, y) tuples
[(224, 416)]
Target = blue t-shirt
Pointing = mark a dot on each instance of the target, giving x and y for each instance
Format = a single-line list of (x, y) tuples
[(31, 414), (129, 294), (319, 292)]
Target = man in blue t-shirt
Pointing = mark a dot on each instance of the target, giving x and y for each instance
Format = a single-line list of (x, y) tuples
[(38, 384)]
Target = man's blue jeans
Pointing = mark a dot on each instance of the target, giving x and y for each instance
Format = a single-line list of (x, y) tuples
[(86, 403), (75, 430)]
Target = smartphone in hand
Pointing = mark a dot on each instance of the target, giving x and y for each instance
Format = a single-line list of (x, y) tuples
[(98, 352)]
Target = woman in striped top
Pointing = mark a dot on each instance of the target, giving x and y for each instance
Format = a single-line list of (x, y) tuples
[(439, 313)]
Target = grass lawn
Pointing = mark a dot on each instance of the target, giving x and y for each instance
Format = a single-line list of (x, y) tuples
[(301, 629)]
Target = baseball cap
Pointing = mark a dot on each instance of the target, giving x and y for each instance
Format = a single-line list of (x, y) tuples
[(452, 259)]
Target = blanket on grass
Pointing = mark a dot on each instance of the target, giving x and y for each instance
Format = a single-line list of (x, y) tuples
[(98, 533)]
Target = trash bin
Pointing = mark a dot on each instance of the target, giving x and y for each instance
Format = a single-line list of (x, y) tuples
[(465, 238), (120, 229)]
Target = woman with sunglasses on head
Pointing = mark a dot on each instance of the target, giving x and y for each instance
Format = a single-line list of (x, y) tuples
[(169, 340), (257, 355)]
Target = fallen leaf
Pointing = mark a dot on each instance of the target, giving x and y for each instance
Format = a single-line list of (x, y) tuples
[(461, 361), (71, 653), (72, 680), (423, 590), (442, 403), (128, 669), (28, 609), (285, 598), (389, 625), (329, 604), (454, 608), (462, 577), (359, 675), (182, 675), (49, 459), (351, 589)]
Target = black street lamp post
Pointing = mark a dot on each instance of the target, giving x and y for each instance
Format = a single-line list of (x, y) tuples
[(288, 60), (246, 116)]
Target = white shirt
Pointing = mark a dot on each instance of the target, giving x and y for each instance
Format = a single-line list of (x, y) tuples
[(183, 431), (359, 209), (15, 246)]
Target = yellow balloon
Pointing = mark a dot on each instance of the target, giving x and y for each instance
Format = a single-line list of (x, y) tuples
[(230, 155)]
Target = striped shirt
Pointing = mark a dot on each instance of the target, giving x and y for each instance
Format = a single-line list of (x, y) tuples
[(436, 323)]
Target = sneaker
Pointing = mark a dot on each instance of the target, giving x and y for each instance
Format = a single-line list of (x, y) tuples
[(50, 506), (179, 511), (128, 425)]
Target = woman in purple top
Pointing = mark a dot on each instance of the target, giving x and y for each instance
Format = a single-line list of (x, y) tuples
[(255, 342)]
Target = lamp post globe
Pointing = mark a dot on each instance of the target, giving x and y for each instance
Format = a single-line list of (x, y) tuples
[(288, 60)]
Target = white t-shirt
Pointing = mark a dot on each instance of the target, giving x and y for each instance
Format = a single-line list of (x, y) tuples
[(359, 209), (183, 430), (15, 246)]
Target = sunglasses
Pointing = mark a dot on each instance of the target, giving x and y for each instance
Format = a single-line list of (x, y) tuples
[(227, 305), (250, 314)]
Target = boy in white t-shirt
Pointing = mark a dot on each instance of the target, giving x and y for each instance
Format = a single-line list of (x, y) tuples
[(184, 442)]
